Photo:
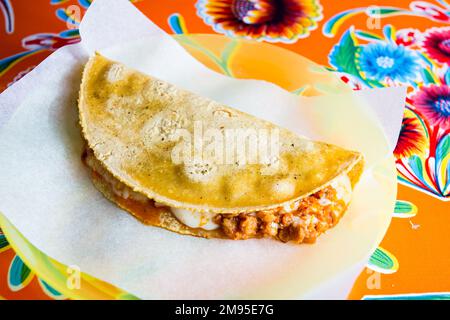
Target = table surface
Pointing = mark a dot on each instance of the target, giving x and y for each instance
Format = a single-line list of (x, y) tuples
[(397, 42)]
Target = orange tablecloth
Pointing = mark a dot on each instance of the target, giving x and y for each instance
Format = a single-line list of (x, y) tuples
[(397, 42)]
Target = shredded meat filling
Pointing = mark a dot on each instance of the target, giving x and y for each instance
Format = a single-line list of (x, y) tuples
[(304, 224)]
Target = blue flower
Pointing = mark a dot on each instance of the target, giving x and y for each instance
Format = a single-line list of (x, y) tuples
[(381, 61)]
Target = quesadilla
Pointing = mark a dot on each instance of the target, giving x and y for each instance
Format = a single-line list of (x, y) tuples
[(183, 162)]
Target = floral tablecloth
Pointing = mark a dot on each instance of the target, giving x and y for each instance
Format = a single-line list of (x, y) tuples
[(367, 43)]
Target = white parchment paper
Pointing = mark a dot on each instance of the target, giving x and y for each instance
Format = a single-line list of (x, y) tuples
[(46, 193)]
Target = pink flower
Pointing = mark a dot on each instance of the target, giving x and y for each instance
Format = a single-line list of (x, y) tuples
[(437, 44), (434, 103)]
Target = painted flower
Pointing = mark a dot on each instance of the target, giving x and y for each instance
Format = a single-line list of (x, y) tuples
[(383, 61), (434, 103), (437, 44), (268, 20), (408, 37), (411, 140), (48, 41)]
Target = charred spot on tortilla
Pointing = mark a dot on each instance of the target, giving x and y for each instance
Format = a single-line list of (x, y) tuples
[(179, 161)]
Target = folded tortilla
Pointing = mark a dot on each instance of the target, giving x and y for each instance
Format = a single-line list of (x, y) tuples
[(188, 164)]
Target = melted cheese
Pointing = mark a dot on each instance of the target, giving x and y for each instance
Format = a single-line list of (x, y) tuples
[(195, 219), (343, 188)]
